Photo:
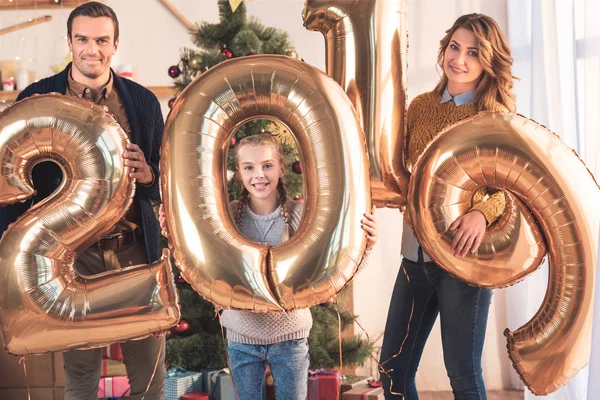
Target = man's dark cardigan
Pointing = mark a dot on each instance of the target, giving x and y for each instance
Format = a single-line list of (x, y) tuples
[(146, 123)]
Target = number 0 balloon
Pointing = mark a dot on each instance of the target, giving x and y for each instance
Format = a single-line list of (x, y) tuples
[(213, 256)]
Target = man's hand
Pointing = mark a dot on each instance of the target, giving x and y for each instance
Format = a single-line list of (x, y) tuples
[(471, 229), (134, 158)]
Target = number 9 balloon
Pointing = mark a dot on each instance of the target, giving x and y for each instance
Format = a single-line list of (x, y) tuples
[(513, 153), (45, 305)]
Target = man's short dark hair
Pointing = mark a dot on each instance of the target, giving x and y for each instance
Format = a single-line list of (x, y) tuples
[(93, 9)]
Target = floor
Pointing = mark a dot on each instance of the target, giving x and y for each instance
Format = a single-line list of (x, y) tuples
[(491, 395)]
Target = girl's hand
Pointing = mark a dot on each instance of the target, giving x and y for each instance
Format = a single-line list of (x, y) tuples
[(369, 225), (162, 220), (471, 230)]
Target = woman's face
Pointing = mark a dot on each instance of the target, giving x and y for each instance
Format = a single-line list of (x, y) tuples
[(461, 62)]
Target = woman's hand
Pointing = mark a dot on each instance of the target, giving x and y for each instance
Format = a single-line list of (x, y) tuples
[(471, 230), (369, 225), (162, 220)]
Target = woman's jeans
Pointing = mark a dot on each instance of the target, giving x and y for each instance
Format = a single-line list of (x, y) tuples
[(463, 311), (289, 367)]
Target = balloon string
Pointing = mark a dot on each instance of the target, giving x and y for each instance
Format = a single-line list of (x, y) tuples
[(217, 314), (22, 361), (155, 368), (339, 335), (380, 365)]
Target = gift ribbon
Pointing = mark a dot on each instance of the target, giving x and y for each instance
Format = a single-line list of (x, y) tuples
[(368, 391), (218, 314), (322, 371), (176, 371)]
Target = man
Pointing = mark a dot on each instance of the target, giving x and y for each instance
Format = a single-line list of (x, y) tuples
[(93, 38)]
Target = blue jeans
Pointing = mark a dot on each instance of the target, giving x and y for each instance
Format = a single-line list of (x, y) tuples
[(288, 362), (463, 311)]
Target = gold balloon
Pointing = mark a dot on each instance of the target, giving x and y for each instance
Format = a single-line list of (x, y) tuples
[(366, 53), (45, 305), (214, 257), (510, 152)]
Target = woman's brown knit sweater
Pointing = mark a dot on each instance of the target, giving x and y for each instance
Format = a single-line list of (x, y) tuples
[(426, 118)]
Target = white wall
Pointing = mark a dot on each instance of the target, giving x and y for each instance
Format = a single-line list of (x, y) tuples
[(150, 41)]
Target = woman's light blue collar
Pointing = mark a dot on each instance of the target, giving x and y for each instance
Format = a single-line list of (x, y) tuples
[(459, 99)]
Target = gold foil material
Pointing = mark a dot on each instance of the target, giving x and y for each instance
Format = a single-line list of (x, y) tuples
[(366, 46), (45, 305), (214, 257), (548, 186)]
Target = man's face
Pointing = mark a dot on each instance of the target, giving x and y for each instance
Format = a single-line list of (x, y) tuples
[(93, 45)]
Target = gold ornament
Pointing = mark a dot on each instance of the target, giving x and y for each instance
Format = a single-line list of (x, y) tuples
[(195, 62), (510, 152), (366, 48), (45, 305), (214, 257)]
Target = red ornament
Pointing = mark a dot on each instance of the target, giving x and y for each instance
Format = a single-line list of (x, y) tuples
[(299, 199), (174, 71), (233, 142), (180, 280), (226, 52), (171, 101), (297, 167), (182, 327)]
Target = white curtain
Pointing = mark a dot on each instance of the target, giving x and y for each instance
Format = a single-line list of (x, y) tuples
[(556, 46)]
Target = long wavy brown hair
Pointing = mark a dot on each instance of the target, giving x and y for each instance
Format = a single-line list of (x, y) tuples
[(263, 139), (496, 81)]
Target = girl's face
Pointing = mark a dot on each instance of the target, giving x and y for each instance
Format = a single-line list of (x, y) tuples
[(461, 62), (260, 169)]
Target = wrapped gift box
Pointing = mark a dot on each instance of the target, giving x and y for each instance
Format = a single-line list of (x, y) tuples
[(113, 368), (363, 392), (179, 382), (218, 384), (113, 386), (323, 385), (352, 381), (195, 396), (113, 352)]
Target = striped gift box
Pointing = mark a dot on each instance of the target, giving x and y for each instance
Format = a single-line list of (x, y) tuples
[(363, 393), (180, 381), (113, 386)]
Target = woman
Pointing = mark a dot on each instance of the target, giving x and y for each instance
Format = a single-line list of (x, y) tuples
[(476, 63)]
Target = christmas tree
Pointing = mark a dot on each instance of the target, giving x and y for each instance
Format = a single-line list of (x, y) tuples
[(197, 341)]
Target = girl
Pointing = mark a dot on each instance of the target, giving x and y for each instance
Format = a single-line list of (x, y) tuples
[(265, 214), (476, 63)]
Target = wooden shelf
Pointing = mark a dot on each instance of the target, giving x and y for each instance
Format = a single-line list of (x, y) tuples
[(8, 96), (162, 91), (38, 4), (159, 91)]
